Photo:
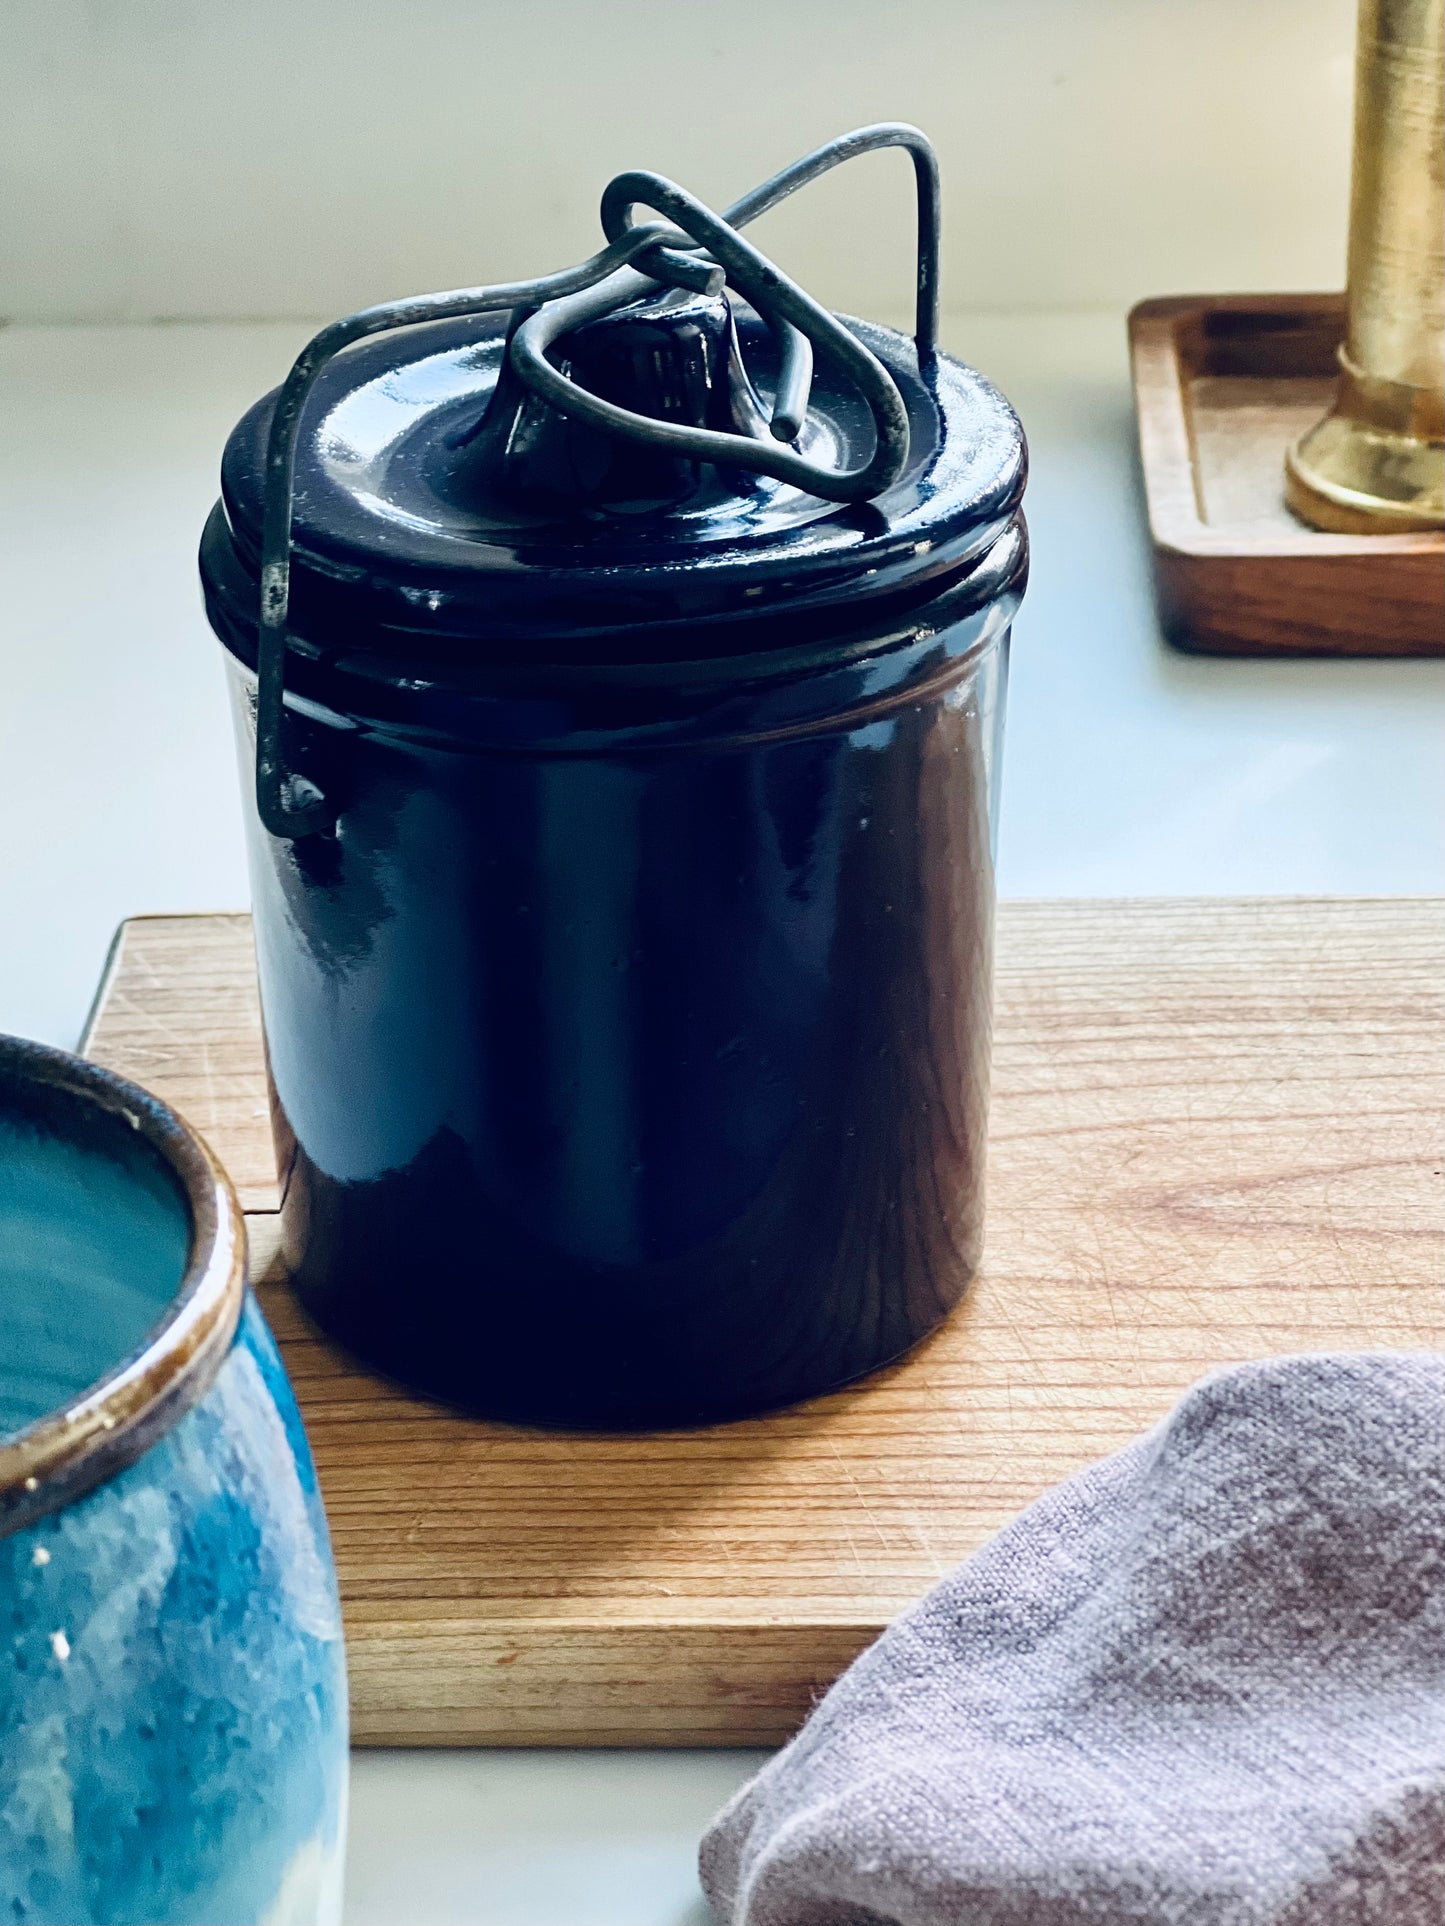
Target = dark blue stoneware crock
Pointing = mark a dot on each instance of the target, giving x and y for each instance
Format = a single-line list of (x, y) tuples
[(172, 1691), (627, 992)]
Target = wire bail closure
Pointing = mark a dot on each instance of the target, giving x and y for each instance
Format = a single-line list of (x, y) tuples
[(692, 248)]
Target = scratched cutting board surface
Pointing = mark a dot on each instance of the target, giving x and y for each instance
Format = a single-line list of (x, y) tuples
[(1216, 1136)]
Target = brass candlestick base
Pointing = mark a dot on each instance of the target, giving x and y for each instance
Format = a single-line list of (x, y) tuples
[(1376, 463)]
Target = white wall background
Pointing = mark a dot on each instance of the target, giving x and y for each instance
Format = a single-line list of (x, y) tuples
[(254, 158)]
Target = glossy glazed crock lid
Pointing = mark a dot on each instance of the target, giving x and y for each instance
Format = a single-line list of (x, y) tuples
[(51, 1462), (400, 546)]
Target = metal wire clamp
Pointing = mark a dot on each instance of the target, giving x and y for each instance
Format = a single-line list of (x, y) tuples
[(694, 248)]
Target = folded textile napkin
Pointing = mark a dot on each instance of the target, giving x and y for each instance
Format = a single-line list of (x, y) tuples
[(1200, 1684)]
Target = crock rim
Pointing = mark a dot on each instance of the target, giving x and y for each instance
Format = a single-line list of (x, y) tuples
[(59, 1457)]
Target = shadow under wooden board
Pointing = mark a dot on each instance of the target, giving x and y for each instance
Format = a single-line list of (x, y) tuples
[(1216, 1136)]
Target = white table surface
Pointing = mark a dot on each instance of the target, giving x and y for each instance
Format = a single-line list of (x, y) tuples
[(1129, 769)]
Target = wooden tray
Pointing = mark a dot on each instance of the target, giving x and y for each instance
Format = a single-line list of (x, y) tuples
[(1216, 1136), (1222, 385)]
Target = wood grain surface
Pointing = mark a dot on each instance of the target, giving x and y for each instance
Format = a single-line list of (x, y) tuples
[(1216, 1136), (1222, 385), (178, 1012)]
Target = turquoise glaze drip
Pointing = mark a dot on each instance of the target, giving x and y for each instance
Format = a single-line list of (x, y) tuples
[(173, 1692), (92, 1250)]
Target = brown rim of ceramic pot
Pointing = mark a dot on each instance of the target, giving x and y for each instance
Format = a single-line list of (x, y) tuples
[(59, 1457)]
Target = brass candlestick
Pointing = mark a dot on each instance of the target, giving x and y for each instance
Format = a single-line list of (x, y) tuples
[(1376, 463)]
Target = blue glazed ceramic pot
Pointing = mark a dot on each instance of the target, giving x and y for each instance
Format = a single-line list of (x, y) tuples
[(172, 1692)]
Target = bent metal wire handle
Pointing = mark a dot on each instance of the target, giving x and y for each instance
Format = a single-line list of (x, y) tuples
[(700, 251)]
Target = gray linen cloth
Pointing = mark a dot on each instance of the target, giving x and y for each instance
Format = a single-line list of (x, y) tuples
[(1200, 1684)]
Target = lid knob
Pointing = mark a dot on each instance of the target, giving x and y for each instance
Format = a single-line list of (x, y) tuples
[(672, 359)]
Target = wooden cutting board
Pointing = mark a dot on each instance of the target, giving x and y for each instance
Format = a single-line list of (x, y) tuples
[(1216, 1136)]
